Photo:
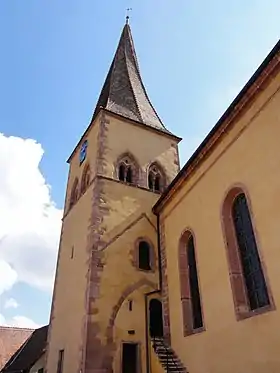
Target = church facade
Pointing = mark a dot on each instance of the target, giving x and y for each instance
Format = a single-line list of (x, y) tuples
[(161, 269)]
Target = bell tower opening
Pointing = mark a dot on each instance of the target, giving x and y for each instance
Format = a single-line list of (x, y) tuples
[(108, 207), (155, 318)]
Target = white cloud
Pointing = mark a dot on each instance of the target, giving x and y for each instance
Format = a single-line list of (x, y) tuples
[(8, 276), (11, 303), (29, 220), (19, 321)]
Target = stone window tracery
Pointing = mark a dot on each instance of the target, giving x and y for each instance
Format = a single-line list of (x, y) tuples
[(156, 178), (127, 170)]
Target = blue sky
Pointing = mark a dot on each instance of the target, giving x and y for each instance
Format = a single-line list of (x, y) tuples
[(194, 56)]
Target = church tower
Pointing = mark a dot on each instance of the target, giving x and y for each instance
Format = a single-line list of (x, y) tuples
[(108, 253)]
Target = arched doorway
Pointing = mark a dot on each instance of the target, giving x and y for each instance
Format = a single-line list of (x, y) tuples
[(155, 318)]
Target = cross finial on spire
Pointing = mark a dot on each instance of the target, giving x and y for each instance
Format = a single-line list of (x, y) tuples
[(127, 14)]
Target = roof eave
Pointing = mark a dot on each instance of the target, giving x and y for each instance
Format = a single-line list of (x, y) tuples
[(183, 174), (143, 125)]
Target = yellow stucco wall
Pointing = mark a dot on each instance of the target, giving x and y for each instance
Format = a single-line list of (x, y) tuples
[(40, 363), (70, 287), (131, 320), (249, 154), (128, 218)]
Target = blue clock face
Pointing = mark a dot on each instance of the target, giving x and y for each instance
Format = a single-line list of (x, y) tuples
[(83, 151)]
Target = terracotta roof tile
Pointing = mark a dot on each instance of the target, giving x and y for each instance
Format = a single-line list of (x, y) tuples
[(10, 341), (29, 352)]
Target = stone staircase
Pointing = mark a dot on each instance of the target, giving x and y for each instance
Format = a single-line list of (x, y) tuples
[(167, 357)]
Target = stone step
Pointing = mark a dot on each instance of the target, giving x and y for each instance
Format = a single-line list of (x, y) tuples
[(175, 369), (164, 349), (160, 345), (161, 349), (170, 358), (171, 361), (175, 366), (167, 357)]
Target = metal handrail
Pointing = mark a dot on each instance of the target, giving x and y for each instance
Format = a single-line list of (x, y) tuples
[(162, 344)]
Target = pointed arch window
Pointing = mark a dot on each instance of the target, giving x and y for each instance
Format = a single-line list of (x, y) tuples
[(74, 193), (189, 286), (156, 178), (85, 179), (250, 289), (250, 261), (122, 172), (129, 174), (127, 170)]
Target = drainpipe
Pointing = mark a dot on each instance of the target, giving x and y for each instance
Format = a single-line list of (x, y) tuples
[(152, 292), (159, 254)]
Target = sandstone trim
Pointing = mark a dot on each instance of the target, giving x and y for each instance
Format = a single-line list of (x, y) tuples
[(93, 350), (239, 292), (117, 236)]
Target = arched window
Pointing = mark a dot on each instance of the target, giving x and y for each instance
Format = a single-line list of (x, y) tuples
[(249, 256), (74, 193), (151, 181), (157, 182), (125, 173), (85, 179), (194, 289), (249, 286), (144, 256), (190, 293), (156, 179), (127, 169)]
